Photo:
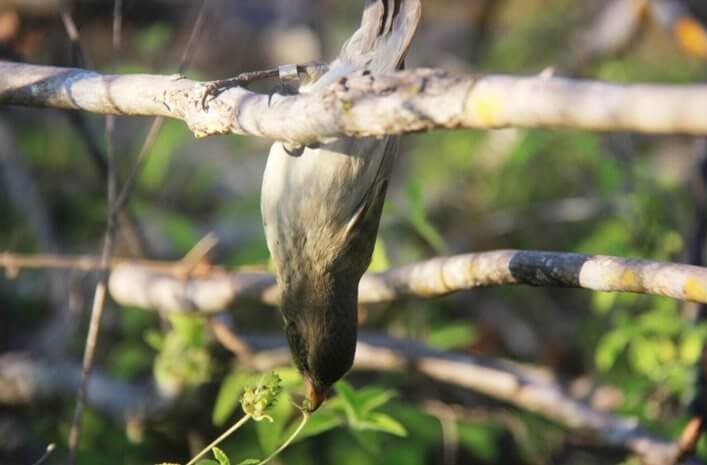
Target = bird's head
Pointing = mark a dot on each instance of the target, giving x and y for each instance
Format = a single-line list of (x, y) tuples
[(321, 333)]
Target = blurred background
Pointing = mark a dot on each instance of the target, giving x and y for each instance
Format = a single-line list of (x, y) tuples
[(452, 192)]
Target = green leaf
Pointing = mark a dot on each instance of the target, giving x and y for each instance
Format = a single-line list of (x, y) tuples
[(249, 462), (289, 377), (665, 321), (368, 440), (270, 434), (643, 356), (603, 301), (154, 38), (181, 230), (691, 347), (371, 398), (452, 336), (156, 168), (189, 329), (128, 359), (379, 260), (422, 426), (207, 462), (319, 423), (229, 396), (348, 396), (220, 456), (386, 424), (482, 440), (154, 339), (610, 347), (418, 218)]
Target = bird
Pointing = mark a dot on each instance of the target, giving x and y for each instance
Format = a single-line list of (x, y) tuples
[(321, 207)]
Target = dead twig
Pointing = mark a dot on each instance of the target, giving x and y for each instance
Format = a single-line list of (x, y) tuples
[(108, 241)]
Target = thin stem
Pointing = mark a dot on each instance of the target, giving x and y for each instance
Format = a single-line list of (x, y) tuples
[(99, 297), (219, 439), (47, 453), (158, 122), (305, 419)]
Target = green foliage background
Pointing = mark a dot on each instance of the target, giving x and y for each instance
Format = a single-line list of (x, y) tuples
[(453, 192)]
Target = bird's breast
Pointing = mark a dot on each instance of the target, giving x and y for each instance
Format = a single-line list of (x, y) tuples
[(308, 201)]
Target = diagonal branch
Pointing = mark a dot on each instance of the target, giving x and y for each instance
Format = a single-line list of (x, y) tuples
[(154, 289), (365, 105), (179, 287), (99, 295), (520, 387)]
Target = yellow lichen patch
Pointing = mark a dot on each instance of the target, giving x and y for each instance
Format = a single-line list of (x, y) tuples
[(487, 108), (692, 36), (695, 290), (629, 280), (414, 89)]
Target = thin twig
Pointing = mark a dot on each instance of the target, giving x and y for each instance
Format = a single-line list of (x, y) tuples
[(218, 440), (47, 453), (158, 122), (224, 333), (78, 57), (14, 262), (101, 287), (199, 251), (448, 420), (288, 441), (131, 230)]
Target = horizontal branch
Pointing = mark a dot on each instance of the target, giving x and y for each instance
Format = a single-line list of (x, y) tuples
[(135, 285), (186, 286), (26, 379), (366, 105)]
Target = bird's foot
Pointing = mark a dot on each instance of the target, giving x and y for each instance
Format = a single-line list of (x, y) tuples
[(214, 88)]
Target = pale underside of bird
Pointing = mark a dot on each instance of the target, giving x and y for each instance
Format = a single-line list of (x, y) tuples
[(321, 208)]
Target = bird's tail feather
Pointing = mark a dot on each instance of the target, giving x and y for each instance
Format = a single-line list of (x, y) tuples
[(382, 41)]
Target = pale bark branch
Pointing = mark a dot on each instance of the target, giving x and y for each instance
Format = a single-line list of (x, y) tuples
[(366, 105), (185, 286), (135, 285), (520, 387), (26, 379)]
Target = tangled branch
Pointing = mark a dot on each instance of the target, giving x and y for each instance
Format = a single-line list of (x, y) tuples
[(26, 379)]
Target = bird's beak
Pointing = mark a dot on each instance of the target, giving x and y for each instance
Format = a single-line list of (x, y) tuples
[(314, 396)]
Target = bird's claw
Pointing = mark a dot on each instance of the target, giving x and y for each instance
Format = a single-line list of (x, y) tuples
[(214, 88)]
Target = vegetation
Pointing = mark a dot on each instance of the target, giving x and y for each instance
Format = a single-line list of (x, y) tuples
[(452, 192)]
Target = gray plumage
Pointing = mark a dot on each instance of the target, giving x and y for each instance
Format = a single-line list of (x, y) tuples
[(321, 207)]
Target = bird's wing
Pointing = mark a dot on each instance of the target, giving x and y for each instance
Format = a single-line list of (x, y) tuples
[(380, 44), (338, 187)]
